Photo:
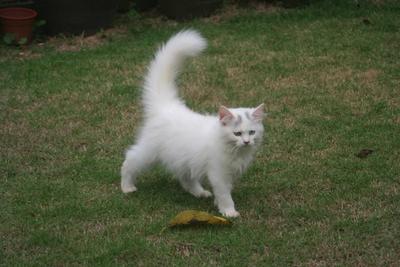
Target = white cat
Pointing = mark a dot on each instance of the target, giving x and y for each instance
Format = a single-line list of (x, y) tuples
[(190, 145)]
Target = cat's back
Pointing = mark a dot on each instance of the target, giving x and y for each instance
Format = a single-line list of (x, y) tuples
[(178, 121), (184, 138)]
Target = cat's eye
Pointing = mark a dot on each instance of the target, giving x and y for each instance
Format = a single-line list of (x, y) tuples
[(237, 133), (252, 132)]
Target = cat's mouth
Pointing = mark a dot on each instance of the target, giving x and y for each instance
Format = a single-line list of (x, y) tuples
[(245, 145)]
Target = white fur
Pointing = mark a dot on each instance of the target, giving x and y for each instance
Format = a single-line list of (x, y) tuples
[(190, 145)]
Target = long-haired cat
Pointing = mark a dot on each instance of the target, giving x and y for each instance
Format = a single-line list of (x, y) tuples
[(191, 145)]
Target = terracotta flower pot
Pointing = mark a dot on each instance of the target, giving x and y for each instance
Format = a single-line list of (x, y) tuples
[(18, 22)]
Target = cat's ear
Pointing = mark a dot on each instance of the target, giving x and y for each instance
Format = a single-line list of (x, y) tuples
[(258, 113), (225, 115)]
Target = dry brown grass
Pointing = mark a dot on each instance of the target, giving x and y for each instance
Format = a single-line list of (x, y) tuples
[(306, 200)]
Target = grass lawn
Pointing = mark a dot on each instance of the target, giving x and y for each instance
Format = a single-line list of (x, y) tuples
[(329, 75)]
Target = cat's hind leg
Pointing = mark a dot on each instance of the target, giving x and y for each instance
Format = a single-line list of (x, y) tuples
[(137, 158), (194, 187)]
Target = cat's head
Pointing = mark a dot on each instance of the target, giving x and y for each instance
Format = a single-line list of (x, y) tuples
[(242, 127)]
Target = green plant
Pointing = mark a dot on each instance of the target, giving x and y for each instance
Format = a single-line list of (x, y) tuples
[(39, 24), (10, 39)]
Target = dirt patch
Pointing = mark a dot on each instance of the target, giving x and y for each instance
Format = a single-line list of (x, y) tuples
[(61, 44), (184, 249), (230, 11), (28, 54), (335, 77), (20, 53), (368, 76), (76, 43)]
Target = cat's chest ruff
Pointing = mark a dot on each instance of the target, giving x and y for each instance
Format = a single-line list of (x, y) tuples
[(239, 163)]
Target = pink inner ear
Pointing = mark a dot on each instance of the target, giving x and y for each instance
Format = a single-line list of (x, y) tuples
[(224, 115), (258, 113)]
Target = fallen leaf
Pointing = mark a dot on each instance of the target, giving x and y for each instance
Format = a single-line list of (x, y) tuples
[(364, 153), (366, 21), (194, 217)]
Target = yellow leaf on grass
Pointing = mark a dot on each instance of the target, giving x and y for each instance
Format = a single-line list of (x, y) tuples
[(194, 217)]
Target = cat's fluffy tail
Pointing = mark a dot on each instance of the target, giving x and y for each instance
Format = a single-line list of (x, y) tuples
[(160, 88)]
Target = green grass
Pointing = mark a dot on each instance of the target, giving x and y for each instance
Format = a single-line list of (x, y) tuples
[(331, 87)]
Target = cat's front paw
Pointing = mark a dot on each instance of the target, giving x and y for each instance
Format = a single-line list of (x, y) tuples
[(205, 193), (128, 189), (231, 213)]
